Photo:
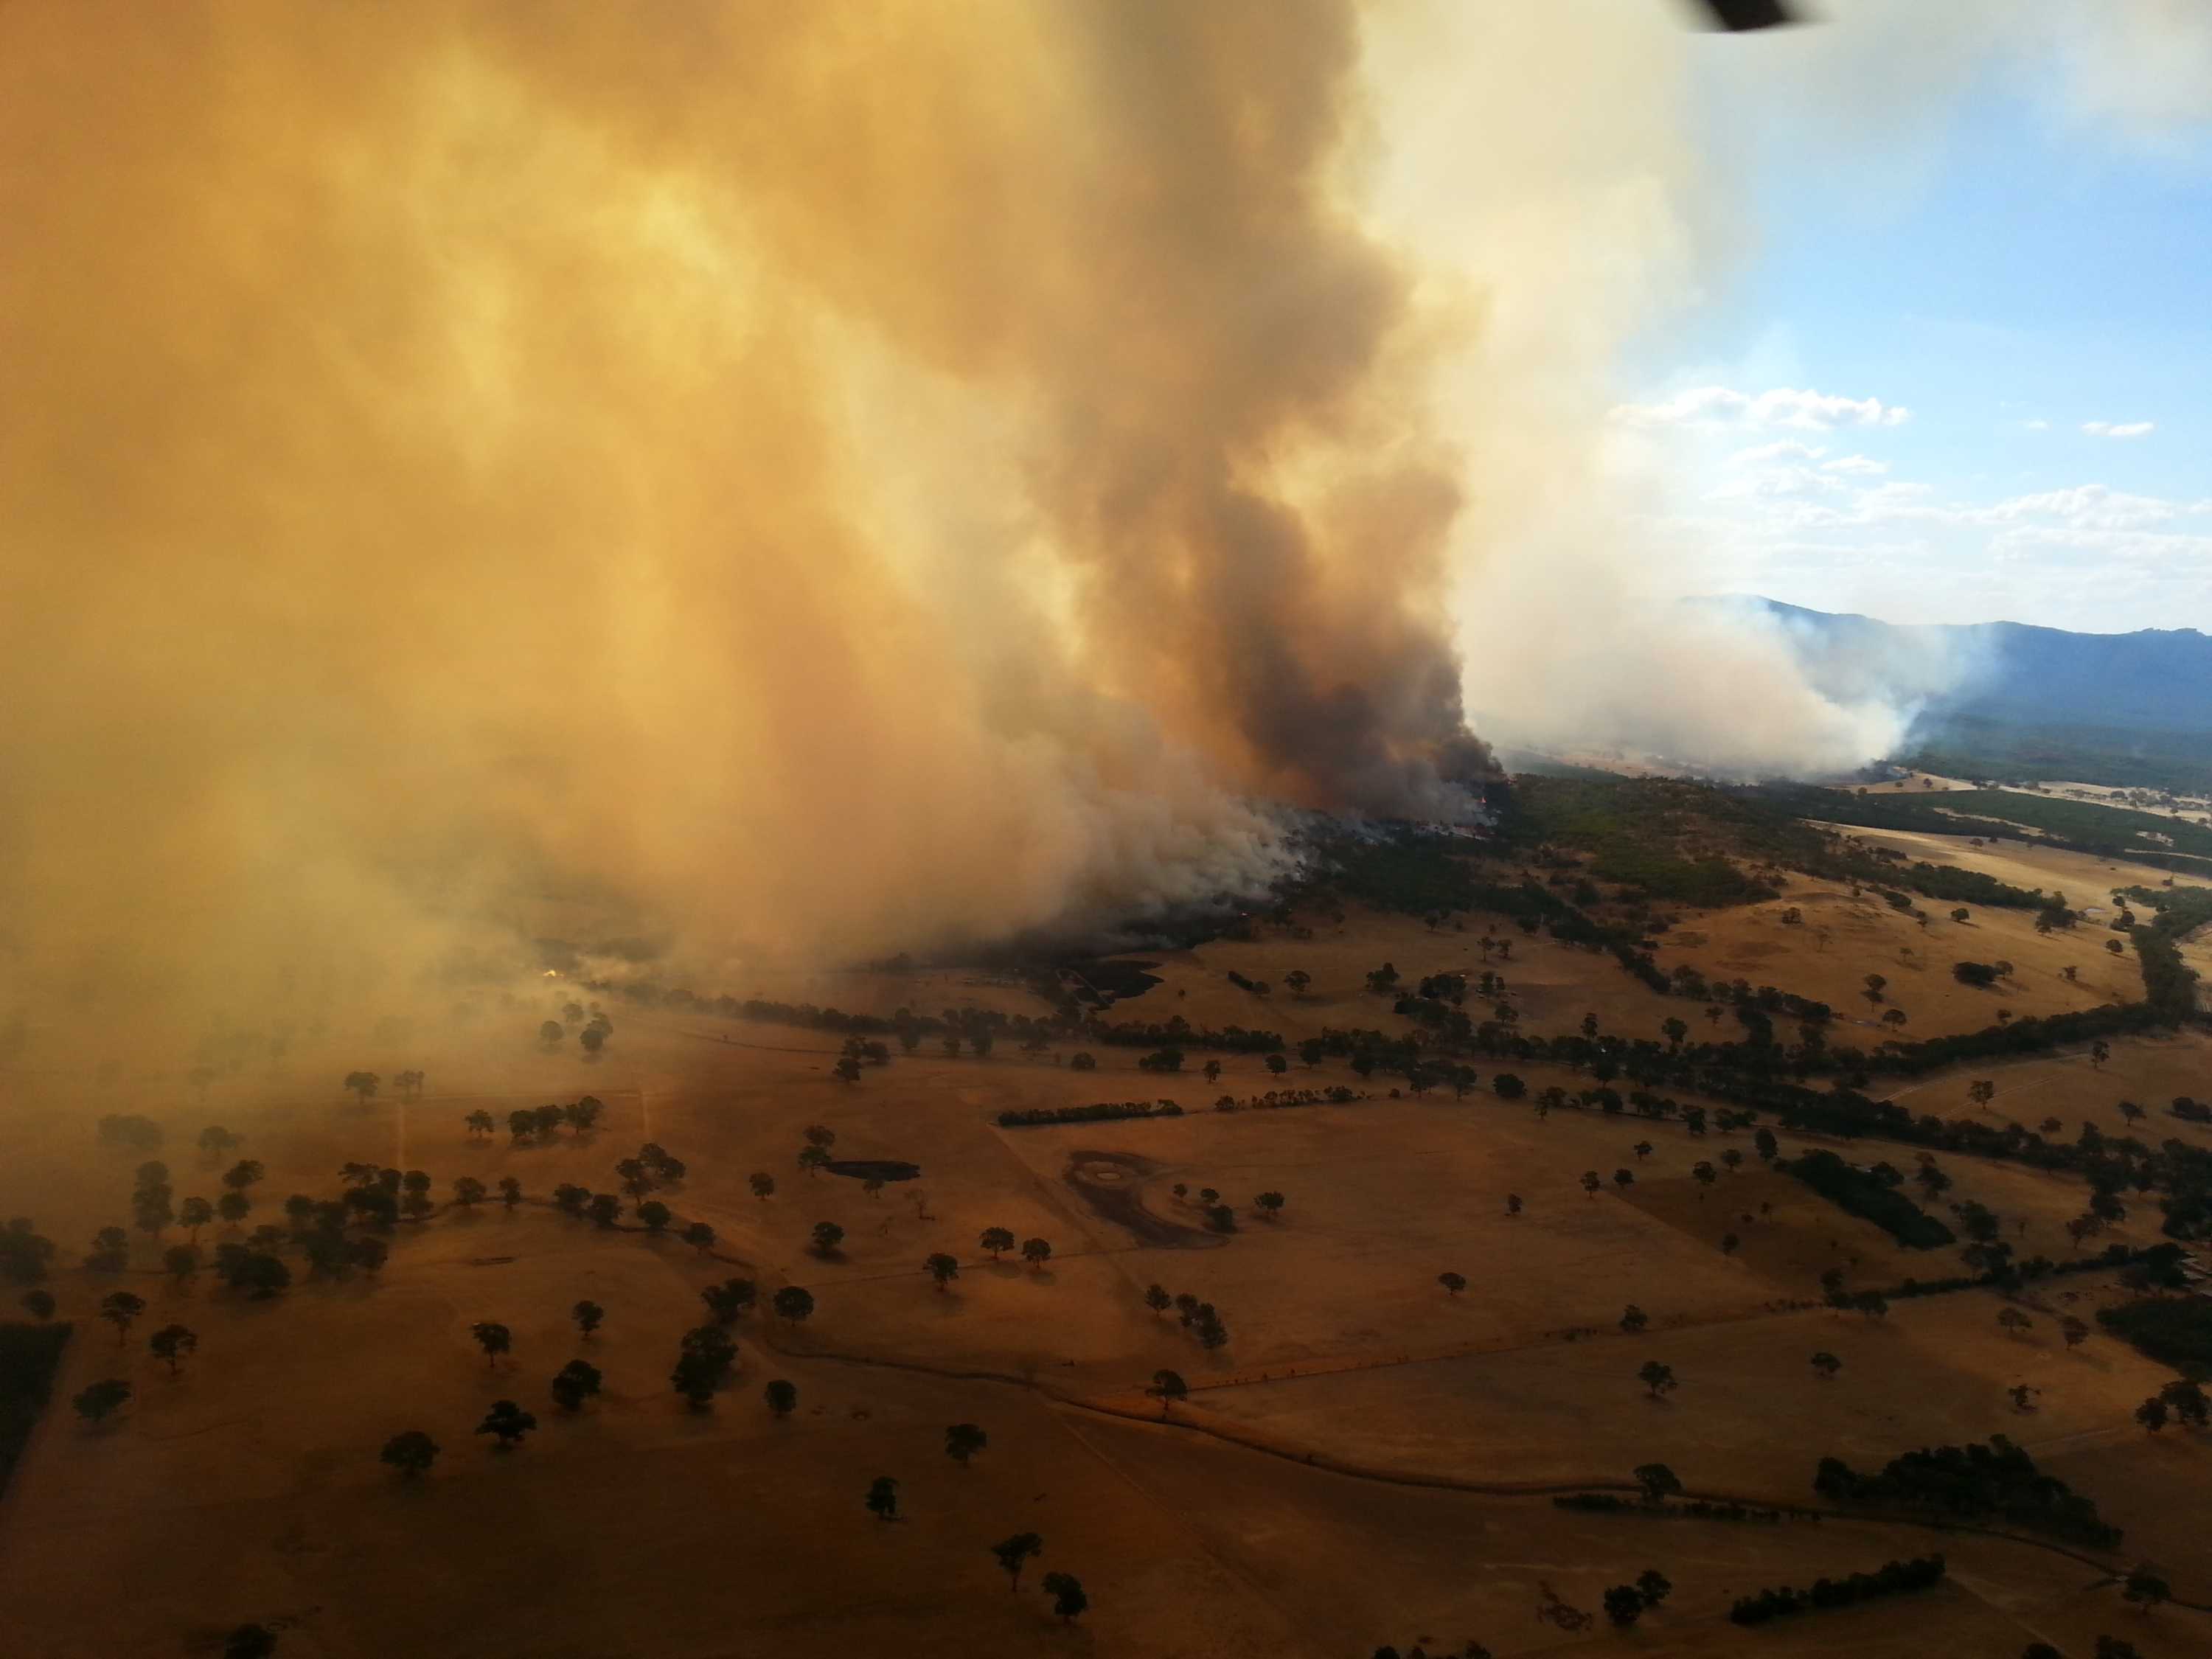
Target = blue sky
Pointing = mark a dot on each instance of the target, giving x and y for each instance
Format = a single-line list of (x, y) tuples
[(2003, 316)]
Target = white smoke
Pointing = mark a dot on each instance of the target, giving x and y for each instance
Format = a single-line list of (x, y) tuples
[(1571, 175)]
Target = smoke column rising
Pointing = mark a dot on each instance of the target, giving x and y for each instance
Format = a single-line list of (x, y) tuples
[(812, 480), (811, 476)]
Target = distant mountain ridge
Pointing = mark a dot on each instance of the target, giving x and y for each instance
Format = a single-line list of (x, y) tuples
[(2009, 674)]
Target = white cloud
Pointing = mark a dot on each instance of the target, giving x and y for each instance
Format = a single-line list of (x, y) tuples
[(1779, 483), (1857, 466), (2118, 429), (2087, 506), (1718, 405), (2037, 426), (1781, 449)]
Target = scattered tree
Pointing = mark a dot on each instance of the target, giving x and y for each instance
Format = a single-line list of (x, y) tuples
[(962, 1441), (782, 1398), (1656, 1377), (95, 1403), (110, 1252), (793, 1303), (173, 1344), (1826, 1364), (411, 1452), (2145, 1588), (1453, 1283), (2188, 1402), (574, 1383), (119, 1309), (508, 1422), (1168, 1388), (1037, 1252), (1014, 1554), (1624, 1605), (882, 1497), (494, 1339), (703, 1365), (828, 1236), (730, 1299), (1068, 1600), (997, 1240)]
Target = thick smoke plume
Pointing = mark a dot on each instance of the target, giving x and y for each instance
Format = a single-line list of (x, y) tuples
[(802, 480), (813, 479)]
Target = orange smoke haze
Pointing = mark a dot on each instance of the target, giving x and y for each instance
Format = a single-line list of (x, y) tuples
[(802, 478)]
